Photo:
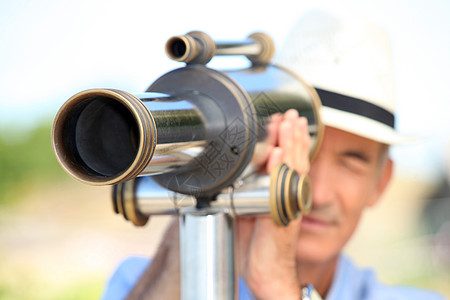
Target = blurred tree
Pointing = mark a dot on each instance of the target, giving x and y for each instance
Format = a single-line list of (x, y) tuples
[(26, 158)]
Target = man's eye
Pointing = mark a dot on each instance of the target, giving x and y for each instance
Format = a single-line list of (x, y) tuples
[(356, 155), (353, 164)]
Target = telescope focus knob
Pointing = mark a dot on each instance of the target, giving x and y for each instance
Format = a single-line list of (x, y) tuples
[(267, 48), (290, 194)]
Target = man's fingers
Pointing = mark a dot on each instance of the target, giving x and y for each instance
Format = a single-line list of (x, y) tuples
[(301, 146), (286, 142), (272, 129), (275, 158), (294, 141), (291, 115)]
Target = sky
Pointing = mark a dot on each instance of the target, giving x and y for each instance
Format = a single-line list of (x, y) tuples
[(52, 49)]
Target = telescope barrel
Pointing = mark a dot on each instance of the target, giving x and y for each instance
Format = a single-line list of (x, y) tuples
[(143, 197), (150, 198), (283, 194), (195, 129), (106, 136)]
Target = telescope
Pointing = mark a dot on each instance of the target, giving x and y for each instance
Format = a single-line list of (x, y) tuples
[(189, 146)]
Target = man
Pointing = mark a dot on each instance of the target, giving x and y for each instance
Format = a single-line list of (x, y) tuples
[(350, 67)]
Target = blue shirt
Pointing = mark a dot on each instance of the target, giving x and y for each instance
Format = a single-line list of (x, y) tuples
[(349, 283)]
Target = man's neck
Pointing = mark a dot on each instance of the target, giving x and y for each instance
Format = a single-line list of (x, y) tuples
[(320, 275)]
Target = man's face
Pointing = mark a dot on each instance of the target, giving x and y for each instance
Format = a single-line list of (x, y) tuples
[(346, 177)]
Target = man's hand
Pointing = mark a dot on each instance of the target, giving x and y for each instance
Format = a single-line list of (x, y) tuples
[(267, 253)]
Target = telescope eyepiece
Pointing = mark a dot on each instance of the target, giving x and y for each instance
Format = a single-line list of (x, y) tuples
[(177, 48), (194, 47)]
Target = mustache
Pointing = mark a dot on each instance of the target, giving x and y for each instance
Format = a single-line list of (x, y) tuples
[(328, 213)]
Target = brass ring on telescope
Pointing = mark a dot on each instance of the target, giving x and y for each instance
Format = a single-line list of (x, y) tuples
[(276, 195), (290, 197), (304, 194), (129, 204)]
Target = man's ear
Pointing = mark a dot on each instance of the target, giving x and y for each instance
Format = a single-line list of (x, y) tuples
[(383, 181)]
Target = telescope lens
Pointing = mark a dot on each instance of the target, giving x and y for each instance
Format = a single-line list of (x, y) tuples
[(106, 136)]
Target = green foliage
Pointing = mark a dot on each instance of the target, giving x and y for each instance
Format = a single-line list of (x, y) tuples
[(89, 289), (26, 158)]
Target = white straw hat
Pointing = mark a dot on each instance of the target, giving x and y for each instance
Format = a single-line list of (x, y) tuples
[(349, 63)]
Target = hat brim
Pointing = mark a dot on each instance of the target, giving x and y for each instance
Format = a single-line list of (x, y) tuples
[(363, 127)]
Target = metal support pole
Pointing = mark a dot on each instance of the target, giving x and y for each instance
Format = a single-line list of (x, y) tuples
[(207, 255)]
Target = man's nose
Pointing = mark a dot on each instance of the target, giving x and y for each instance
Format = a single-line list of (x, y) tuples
[(322, 182)]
